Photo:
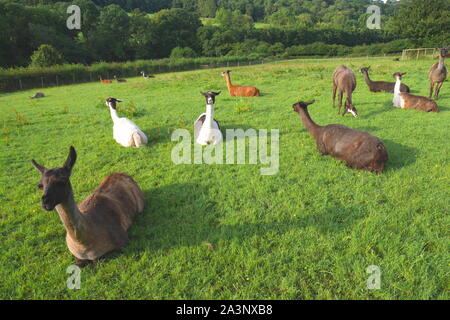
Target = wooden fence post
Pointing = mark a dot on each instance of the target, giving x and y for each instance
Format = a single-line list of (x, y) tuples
[(57, 82), (42, 82), (20, 84)]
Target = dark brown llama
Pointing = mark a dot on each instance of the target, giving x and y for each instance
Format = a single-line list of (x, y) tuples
[(360, 150)]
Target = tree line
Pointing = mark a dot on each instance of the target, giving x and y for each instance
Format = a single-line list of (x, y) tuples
[(127, 30)]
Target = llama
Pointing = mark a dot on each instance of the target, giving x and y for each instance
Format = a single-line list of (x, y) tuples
[(438, 74), (379, 86), (125, 131), (409, 101), (119, 80), (360, 150), (99, 224), (104, 80), (345, 81), (38, 95), (206, 128), (146, 76), (240, 91)]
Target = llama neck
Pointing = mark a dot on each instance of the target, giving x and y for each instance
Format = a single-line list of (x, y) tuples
[(366, 78), (71, 217), (114, 115), (309, 124), (441, 63), (209, 115), (396, 100), (229, 85), (398, 83)]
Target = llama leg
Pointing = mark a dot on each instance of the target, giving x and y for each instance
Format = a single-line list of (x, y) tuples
[(431, 88), (137, 140), (438, 89), (82, 263), (334, 95), (341, 93)]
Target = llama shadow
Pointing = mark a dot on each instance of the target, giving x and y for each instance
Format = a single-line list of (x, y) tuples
[(159, 134), (441, 108), (182, 215), (400, 156), (386, 107)]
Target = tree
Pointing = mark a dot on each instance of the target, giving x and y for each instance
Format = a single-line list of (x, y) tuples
[(46, 56), (175, 28), (179, 52), (207, 8), (111, 37), (423, 22)]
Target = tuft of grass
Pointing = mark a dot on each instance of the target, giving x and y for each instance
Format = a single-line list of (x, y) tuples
[(242, 107), (6, 132), (128, 109), (21, 119)]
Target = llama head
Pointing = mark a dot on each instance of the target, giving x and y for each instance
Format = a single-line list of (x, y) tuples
[(226, 73), (55, 182), (444, 52), (399, 75), (350, 108), (111, 102), (301, 105), (210, 96), (364, 70)]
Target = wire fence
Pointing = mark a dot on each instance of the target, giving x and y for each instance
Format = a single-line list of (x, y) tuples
[(79, 75), (419, 53)]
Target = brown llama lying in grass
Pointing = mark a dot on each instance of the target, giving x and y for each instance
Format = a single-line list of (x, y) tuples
[(99, 224), (380, 86), (360, 150), (409, 101), (240, 91)]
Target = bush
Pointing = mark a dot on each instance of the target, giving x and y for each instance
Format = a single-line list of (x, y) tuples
[(46, 56), (179, 52)]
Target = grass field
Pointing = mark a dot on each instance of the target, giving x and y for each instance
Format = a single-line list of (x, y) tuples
[(225, 231)]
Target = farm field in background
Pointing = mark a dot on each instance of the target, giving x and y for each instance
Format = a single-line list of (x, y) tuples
[(225, 231)]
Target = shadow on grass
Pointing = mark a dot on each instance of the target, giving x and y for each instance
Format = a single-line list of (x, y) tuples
[(386, 107), (183, 215), (400, 156)]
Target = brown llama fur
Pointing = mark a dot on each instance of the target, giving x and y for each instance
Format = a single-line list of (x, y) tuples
[(240, 91), (410, 101), (344, 80), (381, 86), (99, 224), (359, 150), (438, 74)]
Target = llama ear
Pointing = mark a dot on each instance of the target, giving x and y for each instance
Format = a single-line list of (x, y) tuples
[(311, 102), (203, 94), (38, 166), (216, 93), (403, 73), (71, 159)]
